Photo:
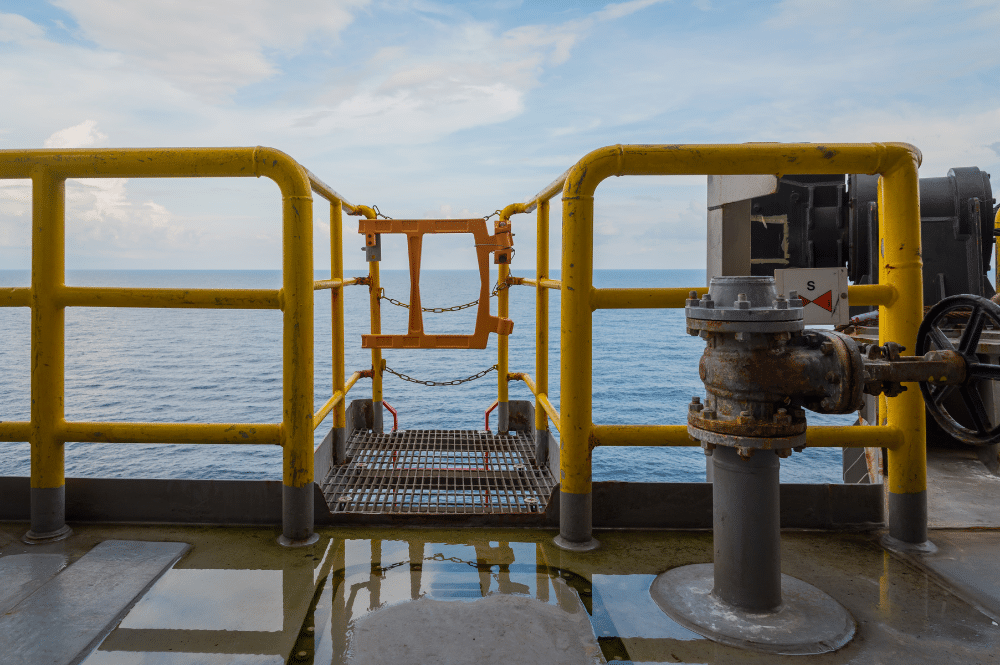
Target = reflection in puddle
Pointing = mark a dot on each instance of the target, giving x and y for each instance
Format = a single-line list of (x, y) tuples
[(189, 599), (378, 575)]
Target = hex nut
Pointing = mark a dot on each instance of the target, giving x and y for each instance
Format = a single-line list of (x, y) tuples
[(826, 348)]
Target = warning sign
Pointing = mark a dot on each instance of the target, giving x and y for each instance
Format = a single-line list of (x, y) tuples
[(823, 292), (825, 301)]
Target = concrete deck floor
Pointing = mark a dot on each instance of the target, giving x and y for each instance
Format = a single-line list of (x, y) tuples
[(508, 596)]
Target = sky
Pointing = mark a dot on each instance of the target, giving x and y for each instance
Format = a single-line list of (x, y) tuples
[(455, 109)]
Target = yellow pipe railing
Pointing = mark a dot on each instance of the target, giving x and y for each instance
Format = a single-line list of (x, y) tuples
[(871, 295), (542, 320), (544, 410), (677, 435), (337, 320), (996, 242), (545, 283), (336, 400), (323, 284), (641, 298), (898, 294), (15, 297), (15, 430), (48, 297), (187, 433), (374, 301), (92, 296), (503, 358)]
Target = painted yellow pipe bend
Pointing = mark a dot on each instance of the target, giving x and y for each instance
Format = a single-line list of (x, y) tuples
[(513, 209)]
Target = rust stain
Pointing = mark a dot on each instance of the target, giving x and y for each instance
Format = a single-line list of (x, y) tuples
[(827, 153)]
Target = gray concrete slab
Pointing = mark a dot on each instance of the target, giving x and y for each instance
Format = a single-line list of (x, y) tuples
[(494, 629), (961, 491), (65, 618), (22, 574), (968, 563)]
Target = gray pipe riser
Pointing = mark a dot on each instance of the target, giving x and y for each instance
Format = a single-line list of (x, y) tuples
[(746, 529)]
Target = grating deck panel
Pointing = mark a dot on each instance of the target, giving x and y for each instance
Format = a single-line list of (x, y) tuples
[(439, 472)]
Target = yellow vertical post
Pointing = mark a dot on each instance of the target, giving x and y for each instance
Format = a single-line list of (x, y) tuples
[(996, 242), (901, 267), (576, 357), (503, 360), (337, 328), (375, 291), (48, 334), (297, 374), (541, 331)]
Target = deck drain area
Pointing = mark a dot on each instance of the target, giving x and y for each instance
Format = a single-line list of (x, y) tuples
[(439, 471)]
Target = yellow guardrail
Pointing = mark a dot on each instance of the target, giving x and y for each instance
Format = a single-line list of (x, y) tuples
[(898, 295), (48, 296)]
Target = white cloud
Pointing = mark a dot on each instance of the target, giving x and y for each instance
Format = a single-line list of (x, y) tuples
[(16, 28), (212, 47), (101, 216), (78, 136)]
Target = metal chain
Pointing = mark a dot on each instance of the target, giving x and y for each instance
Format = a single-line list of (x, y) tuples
[(441, 310), (456, 382)]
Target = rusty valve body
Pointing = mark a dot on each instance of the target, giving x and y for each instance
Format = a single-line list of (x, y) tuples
[(762, 369)]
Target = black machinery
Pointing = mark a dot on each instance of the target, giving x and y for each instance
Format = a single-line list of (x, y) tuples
[(831, 221)]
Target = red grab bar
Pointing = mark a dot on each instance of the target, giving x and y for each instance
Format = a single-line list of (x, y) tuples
[(488, 412), (395, 416)]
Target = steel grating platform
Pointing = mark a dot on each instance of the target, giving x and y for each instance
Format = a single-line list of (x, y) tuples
[(438, 472)]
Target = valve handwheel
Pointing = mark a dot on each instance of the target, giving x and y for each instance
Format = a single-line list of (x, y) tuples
[(981, 314)]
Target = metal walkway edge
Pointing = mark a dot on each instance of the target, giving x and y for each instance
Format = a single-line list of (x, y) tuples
[(438, 471)]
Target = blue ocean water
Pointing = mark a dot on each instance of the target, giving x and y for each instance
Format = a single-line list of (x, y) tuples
[(225, 366)]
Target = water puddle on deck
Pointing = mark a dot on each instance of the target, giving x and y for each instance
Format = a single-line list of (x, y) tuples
[(365, 601)]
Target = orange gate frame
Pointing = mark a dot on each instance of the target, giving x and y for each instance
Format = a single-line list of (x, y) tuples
[(415, 229)]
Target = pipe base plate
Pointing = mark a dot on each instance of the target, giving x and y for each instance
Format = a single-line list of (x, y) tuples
[(902, 547), (569, 546), (284, 541), (807, 622), (32, 538)]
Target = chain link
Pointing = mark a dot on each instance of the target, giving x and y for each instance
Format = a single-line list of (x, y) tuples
[(455, 382), (441, 310)]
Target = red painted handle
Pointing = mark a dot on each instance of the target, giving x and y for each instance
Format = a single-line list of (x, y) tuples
[(488, 412), (395, 416)]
